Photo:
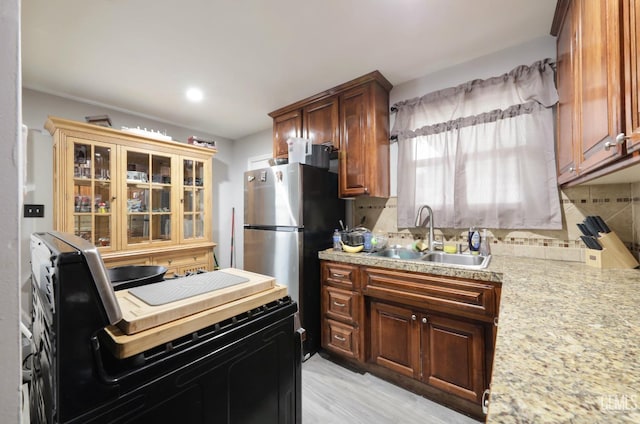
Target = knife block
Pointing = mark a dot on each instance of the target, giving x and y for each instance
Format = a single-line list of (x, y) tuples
[(614, 253)]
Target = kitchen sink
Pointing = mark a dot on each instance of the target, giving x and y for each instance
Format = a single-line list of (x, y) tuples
[(457, 259), (399, 253), (471, 261)]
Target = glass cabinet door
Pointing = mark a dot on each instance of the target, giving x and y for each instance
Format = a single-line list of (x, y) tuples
[(93, 193), (193, 199), (148, 213)]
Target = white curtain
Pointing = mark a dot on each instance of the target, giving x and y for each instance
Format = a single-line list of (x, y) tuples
[(482, 153)]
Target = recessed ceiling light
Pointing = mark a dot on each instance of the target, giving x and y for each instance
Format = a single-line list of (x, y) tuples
[(194, 94)]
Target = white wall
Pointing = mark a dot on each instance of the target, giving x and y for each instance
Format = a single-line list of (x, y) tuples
[(256, 145), (10, 208)]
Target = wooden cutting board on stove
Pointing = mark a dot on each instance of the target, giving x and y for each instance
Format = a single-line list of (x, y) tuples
[(124, 345), (137, 315)]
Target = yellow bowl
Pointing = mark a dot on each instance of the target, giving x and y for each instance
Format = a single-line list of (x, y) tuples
[(449, 248)]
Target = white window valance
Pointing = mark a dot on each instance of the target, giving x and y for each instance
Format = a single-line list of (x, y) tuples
[(481, 153)]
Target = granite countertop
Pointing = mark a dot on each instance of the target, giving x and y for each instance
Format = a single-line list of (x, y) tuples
[(568, 343)]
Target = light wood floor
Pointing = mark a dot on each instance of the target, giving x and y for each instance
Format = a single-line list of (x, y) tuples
[(332, 394)]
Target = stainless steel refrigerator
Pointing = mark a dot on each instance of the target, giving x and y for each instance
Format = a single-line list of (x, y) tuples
[(290, 213)]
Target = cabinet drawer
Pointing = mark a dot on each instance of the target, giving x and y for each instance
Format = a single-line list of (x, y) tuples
[(182, 259), (342, 305), (471, 298), (342, 275), (118, 261), (340, 338)]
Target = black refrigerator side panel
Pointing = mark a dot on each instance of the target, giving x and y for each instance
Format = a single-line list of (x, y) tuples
[(322, 209)]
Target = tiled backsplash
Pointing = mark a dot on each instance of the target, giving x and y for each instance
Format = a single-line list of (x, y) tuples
[(618, 205)]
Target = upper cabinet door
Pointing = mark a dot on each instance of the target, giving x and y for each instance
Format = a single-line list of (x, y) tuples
[(94, 198), (285, 126), (566, 149), (353, 146), (149, 192), (320, 121), (599, 87), (194, 200), (632, 73)]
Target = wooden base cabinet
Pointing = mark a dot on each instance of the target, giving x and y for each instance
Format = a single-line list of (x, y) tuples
[(443, 352), (432, 334), (342, 308), (453, 356), (395, 339)]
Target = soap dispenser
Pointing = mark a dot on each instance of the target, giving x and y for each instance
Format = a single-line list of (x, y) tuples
[(474, 241)]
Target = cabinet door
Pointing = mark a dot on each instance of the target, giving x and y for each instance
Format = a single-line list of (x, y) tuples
[(566, 151), (320, 120), (195, 176), (632, 72), (453, 356), (284, 127), (353, 172), (599, 92), (92, 212), (149, 198), (395, 339)]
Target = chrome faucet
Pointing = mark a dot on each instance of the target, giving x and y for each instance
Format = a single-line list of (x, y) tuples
[(419, 223)]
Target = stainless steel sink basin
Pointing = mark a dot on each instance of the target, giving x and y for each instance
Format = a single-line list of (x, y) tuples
[(457, 259), (399, 253), (466, 260)]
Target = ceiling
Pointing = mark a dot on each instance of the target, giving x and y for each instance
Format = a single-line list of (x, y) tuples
[(251, 57)]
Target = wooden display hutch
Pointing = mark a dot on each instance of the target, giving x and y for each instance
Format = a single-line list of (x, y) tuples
[(142, 201)]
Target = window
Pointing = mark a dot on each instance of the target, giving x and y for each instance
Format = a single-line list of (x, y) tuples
[(481, 153)]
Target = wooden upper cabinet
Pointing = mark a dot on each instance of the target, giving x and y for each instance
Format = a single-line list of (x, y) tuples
[(285, 126), (320, 120), (565, 139), (353, 152), (591, 86), (599, 89), (354, 117), (364, 141), (631, 52)]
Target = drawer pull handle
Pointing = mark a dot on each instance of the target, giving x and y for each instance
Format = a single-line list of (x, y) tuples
[(342, 339), (414, 317), (424, 320), (340, 305), (336, 275)]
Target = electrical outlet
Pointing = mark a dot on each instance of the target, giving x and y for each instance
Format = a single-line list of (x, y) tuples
[(34, 211)]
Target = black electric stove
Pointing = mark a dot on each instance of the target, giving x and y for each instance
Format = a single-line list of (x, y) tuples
[(245, 369)]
